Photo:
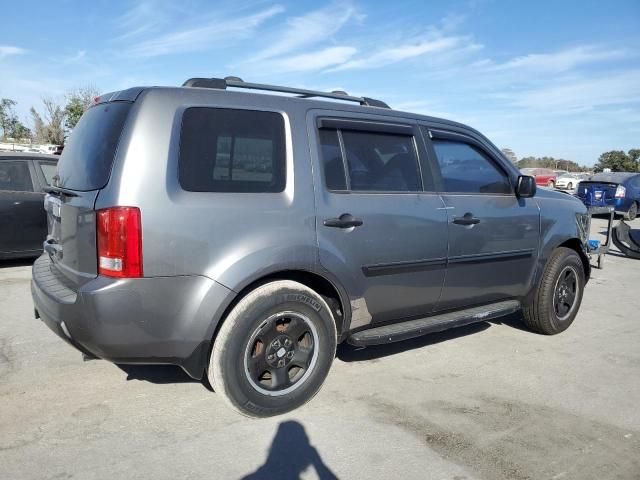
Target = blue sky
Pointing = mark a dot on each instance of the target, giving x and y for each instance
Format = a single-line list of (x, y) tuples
[(558, 78)]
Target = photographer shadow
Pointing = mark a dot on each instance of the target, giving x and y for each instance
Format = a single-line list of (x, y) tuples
[(290, 455)]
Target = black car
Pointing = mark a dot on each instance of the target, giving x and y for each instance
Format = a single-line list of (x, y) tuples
[(23, 221)]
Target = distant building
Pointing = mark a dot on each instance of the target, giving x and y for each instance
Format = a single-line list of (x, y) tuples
[(510, 155)]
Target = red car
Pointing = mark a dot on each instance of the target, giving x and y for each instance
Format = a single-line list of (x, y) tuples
[(545, 177)]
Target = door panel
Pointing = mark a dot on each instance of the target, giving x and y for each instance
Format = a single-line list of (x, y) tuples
[(495, 258), (392, 261), (493, 235)]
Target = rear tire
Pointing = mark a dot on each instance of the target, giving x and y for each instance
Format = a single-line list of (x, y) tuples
[(570, 186), (559, 294), (274, 349), (632, 213)]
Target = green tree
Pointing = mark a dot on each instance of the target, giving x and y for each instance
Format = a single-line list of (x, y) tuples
[(617, 161), (78, 101), (11, 126)]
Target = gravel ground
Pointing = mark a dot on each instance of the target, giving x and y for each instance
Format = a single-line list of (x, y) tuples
[(488, 401)]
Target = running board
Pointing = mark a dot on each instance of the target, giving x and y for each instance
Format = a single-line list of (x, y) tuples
[(415, 328)]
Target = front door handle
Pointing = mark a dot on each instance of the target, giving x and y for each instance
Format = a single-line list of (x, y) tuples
[(346, 220), (466, 219)]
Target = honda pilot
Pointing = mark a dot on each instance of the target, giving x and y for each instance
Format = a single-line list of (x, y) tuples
[(243, 235)]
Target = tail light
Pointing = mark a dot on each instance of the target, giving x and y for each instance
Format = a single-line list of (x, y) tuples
[(119, 242), (621, 191)]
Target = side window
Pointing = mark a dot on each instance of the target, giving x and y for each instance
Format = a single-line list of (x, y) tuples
[(466, 169), (15, 176), (380, 162), (332, 165), (48, 170), (226, 150)]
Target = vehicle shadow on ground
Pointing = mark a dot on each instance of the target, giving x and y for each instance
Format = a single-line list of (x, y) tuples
[(349, 353), (160, 374), (291, 454), (16, 262)]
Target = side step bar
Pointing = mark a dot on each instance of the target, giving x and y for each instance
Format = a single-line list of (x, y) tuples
[(436, 323)]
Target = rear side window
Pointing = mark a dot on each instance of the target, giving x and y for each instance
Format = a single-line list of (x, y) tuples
[(48, 170), (86, 161), (466, 169), (375, 161), (227, 150), (15, 177)]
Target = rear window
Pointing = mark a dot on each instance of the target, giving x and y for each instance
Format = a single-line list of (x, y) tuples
[(87, 158), (227, 150)]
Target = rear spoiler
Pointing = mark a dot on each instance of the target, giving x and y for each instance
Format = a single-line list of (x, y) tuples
[(128, 95)]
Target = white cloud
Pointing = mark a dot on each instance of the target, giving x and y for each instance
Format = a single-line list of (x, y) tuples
[(314, 60), (314, 27), (616, 88), (6, 50), (560, 61), (214, 33), (386, 56)]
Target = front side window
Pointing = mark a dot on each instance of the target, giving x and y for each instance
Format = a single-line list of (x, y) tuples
[(226, 150), (15, 176), (466, 169), (380, 162)]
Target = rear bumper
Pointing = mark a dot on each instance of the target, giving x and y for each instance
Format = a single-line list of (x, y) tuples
[(167, 320)]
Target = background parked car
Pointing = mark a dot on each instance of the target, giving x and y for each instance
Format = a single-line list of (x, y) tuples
[(545, 177), (23, 221), (569, 181), (620, 190)]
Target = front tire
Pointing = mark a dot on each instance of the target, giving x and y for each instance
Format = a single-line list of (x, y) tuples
[(551, 184), (559, 294), (274, 349)]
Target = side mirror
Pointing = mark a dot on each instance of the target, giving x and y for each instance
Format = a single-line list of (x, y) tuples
[(526, 187)]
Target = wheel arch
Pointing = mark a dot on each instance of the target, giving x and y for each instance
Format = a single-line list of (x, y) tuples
[(329, 289)]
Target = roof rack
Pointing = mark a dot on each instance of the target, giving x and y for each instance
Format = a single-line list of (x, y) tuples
[(236, 82)]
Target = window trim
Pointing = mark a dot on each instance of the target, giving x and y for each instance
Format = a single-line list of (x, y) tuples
[(431, 134), (367, 126), (287, 171)]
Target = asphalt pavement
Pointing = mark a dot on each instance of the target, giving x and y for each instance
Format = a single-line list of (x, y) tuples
[(489, 401)]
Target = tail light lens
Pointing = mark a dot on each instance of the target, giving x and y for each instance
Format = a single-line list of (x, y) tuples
[(621, 191), (119, 242)]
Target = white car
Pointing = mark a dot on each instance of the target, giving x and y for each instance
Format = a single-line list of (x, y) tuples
[(569, 181)]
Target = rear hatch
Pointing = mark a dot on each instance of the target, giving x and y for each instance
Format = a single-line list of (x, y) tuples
[(597, 194), (84, 168)]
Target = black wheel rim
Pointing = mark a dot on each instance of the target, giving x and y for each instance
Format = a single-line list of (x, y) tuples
[(566, 293), (281, 353)]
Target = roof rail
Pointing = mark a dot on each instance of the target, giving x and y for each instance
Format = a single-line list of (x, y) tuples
[(236, 82)]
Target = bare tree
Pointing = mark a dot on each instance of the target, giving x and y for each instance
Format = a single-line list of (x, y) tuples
[(51, 128)]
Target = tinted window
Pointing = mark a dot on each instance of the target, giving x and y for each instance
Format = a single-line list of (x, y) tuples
[(468, 170), (48, 170), (332, 164), (381, 162), (85, 163), (14, 176), (224, 150)]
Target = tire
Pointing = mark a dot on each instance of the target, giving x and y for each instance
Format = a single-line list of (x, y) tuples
[(256, 362), (551, 184), (570, 186), (632, 213), (546, 314)]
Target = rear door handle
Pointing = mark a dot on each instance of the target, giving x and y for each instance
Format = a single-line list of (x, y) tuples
[(466, 219), (346, 220)]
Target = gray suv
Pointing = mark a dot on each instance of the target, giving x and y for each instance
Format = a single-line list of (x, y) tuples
[(242, 236)]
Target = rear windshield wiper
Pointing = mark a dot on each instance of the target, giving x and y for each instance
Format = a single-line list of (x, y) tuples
[(59, 190)]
